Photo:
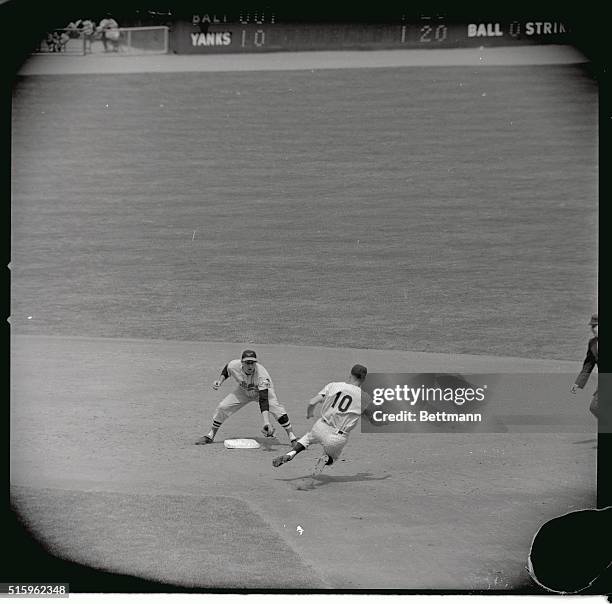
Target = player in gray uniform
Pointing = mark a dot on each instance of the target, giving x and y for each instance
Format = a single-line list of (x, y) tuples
[(254, 383), (343, 405)]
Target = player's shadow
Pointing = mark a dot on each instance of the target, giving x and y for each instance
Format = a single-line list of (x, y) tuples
[(359, 477), (310, 482)]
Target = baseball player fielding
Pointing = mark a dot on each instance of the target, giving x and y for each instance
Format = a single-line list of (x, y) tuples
[(253, 383)]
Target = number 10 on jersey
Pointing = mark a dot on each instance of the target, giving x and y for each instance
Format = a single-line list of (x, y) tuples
[(344, 403)]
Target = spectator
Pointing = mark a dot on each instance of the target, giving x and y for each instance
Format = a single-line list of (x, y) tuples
[(50, 41), (64, 38), (72, 29), (56, 40), (87, 29), (109, 30)]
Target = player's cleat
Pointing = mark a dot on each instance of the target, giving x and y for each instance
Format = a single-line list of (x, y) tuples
[(205, 440), (320, 465), (279, 461)]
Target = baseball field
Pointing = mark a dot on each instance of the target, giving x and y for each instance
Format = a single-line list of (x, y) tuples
[(436, 216)]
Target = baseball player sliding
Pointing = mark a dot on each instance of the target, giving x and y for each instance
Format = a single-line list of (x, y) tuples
[(254, 383), (343, 404)]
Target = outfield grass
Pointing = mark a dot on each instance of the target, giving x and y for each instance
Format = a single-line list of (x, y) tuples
[(430, 209)]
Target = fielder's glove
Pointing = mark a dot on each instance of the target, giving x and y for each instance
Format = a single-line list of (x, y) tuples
[(267, 431)]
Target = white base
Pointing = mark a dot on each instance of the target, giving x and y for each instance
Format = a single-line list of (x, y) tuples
[(241, 443)]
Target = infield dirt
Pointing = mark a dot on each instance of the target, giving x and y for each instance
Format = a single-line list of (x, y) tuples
[(398, 511)]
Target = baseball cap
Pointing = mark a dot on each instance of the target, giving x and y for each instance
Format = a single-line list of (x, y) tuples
[(249, 355), (359, 371), (594, 320)]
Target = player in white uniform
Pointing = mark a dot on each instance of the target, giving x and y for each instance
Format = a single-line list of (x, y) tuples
[(254, 383), (343, 405)]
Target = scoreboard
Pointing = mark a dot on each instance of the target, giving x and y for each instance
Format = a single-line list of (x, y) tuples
[(263, 31)]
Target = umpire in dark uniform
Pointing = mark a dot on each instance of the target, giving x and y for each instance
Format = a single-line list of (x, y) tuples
[(590, 361)]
